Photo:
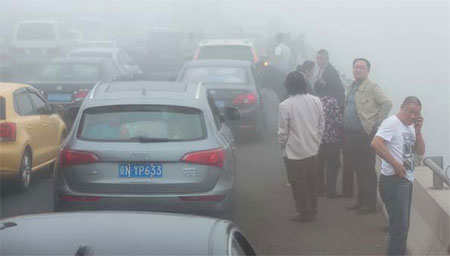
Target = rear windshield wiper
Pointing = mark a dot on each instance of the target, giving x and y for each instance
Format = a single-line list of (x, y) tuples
[(144, 139)]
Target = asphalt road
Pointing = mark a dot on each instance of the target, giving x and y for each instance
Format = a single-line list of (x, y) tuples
[(263, 204)]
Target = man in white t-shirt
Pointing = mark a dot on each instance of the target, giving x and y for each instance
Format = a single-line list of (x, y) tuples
[(398, 139), (282, 55)]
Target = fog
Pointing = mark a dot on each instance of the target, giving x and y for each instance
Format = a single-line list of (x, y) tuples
[(406, 41)]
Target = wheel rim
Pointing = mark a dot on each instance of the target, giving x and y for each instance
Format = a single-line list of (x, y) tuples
[(26, 170)]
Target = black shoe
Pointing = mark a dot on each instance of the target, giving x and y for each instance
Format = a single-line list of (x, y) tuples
[(369, 210), (333, 196), (354, 207), (301, 218)]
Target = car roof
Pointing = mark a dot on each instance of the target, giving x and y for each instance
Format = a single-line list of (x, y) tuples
[(230, 41), (77, 60), (11, 87), (136, 91), (219, 62), (107, 233), (40, 21)]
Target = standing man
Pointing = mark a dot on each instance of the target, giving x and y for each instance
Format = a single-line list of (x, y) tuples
[(366, 106), (300, 129), (282, 55), (328, 79), (397, 139)]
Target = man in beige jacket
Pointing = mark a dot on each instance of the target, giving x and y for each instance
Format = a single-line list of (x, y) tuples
[(366, 106)]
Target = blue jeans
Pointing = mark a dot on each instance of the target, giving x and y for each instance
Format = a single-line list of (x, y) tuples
[(396, 194)]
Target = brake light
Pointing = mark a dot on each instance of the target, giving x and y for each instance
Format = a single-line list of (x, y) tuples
[(213, 157), (255, 56), (197, 53), (81, 94), (247, 99), (8, 132), (70, 157), (215, 198), (79, 198)]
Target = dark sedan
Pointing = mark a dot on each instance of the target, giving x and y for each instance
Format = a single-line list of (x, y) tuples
[(232, 83), (120, 233)]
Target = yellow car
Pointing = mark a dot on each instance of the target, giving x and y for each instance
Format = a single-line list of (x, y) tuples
[(31, 131)]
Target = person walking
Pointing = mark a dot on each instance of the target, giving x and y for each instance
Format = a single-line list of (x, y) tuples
[(366, 106), (300, 129), (329, 160), (328, 79), (307, 68), (396, 142)]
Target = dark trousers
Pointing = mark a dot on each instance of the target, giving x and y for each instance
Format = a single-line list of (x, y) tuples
[(302, 177), (359, 158), (328, 165), (396, 194)]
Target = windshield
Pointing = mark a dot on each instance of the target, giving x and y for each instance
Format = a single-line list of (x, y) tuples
[(231, 52), (215, 75), (70, 72), (36, 31), (141, 122)]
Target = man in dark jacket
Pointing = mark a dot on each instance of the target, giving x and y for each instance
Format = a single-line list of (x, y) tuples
[(328, 80)]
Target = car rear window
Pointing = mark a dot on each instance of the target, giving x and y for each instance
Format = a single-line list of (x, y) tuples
[(2, 109), (228, 75), (70, 72), (230, 52), (142, 123), (105, 55), (36, 31)]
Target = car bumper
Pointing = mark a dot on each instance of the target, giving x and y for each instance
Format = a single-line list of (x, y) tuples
[(216, 202), (10, 158)]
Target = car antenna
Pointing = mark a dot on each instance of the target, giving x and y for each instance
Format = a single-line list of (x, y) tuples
[(144, 92), (84, 250)]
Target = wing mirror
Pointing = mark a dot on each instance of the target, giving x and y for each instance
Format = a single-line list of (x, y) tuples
[(232, 114)]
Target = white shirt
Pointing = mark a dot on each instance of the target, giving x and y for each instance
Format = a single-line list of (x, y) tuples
[(283, 57), (400, 140), (301, 124)]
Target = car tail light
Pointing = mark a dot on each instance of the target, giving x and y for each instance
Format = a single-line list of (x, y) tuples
[(246, 99), (79, 198), (197, 53), (70, 157), (215, 198), (255, 56), (8, 132), (81, 94), (213, 157)]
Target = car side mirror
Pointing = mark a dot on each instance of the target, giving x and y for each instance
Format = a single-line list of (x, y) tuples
[(232, 114)]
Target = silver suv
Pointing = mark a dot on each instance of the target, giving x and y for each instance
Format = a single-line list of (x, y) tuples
[(159, 146)]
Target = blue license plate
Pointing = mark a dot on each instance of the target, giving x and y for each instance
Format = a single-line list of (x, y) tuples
[(59, 97), (140, 170), (220, 103)]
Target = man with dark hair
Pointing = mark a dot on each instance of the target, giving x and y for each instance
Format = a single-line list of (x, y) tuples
[(366, 106), (300, 130), (397, 139), (328, 80)]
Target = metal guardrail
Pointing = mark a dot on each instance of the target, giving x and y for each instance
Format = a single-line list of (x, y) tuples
[(436, 166)]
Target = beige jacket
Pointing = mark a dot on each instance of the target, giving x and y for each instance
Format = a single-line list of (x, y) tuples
[(372, 104)]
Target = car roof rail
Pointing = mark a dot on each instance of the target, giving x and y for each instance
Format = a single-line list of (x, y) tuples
[(197, 92), (95, 89)]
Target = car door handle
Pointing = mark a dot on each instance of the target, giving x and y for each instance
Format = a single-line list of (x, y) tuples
[(30, 126), (45, 124)]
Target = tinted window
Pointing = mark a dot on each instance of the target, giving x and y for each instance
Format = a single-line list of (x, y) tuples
[(39, 104), (23, 104), (70, 72), (231, 52), (36, 31), (228, 75), (130, 122), (105, 55)]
